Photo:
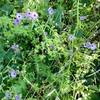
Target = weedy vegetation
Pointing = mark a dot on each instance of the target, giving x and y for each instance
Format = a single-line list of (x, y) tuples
[(49, 49)]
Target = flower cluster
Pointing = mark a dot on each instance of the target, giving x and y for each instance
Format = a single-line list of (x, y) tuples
[(18, 18), (89, 45), (29, 15), (8, 96)]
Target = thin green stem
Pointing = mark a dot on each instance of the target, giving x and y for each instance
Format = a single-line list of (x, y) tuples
[(77, 13)]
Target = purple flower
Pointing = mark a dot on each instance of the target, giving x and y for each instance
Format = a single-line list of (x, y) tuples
[(15, 48), (89, 45), (93, 46), (17, 97), (71, 37), (28, 14), (50, 11), (8, 95), (83, 17), (16, 21), (19, 16), (32, 15), (13, 73)]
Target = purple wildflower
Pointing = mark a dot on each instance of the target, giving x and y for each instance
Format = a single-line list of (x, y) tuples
[(50, 11), (15, 48), (16, 21), (32, 15), (93, 46), (71, 37), (17, 97), (83, 17), (28, 14), (19, 16), (89, 45), (13, 73)]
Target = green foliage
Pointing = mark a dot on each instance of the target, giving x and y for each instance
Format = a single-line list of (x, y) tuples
[(49, 54)]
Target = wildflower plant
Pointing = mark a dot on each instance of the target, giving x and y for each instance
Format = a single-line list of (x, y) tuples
[(48, 50), (13, 74), (50, 11)]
